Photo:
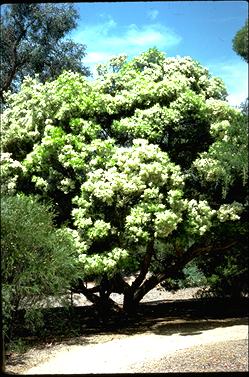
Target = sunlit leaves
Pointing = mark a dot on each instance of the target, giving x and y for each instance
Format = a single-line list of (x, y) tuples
[(227, 158), (230, 211), (106, 263), (126, 199), (165, 223), (199, 217), (10, 171), (131, 157)]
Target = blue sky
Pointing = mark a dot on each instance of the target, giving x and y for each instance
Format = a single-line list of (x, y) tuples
[(201, 29)]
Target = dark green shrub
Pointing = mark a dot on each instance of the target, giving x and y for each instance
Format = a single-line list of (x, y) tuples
[(191, 276), (227, 273), (38, 260)]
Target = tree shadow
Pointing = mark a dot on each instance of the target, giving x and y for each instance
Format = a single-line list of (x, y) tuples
[(194, 327), (78, 325)]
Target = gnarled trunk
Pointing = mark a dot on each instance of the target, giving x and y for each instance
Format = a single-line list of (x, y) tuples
[(134, 293)]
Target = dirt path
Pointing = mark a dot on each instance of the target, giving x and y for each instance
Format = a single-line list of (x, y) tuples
[(183, 337), (131, 353)]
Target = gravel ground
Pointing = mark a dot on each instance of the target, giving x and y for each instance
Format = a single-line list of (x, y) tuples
[(200, 347), (229, 356)]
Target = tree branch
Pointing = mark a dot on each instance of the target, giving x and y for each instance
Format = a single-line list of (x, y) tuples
[(172, 270), (97, 300), (13, 68), (144, 265), (87, 292), (119, 284)]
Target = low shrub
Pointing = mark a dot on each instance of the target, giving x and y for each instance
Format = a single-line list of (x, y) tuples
[(38, 260)]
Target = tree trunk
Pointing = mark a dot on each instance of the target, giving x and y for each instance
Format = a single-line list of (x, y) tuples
[(129, 303), (103, 302), (172, 270), (134, 293)]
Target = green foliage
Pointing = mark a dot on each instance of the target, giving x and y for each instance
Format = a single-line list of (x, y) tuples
[(244, 107), (227, 274), (37, 259), (191, 276), (143, 165), (240, 42), (227, 158), (33, 42)]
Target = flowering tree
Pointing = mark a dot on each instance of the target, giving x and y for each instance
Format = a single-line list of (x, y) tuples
[(141, 164)]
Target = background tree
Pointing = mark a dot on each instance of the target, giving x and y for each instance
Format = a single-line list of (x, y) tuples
[(33, 42), (240, 42), (147, 166)]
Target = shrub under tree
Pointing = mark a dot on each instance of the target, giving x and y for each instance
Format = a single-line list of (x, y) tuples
[(37, 260)]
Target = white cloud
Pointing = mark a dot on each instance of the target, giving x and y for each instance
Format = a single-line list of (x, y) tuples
[(93, 57), (92, 33), (236, 99), (152, 14), (108, 39), (234, 73), (134, 38)]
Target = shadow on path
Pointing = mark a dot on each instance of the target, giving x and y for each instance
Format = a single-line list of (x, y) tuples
[(186, 317)]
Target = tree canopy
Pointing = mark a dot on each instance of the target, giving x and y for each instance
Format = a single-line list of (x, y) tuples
[(240, 42), (33, 42), (142, 165)]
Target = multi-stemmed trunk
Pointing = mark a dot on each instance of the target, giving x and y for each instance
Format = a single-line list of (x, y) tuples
[(134, 292)]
